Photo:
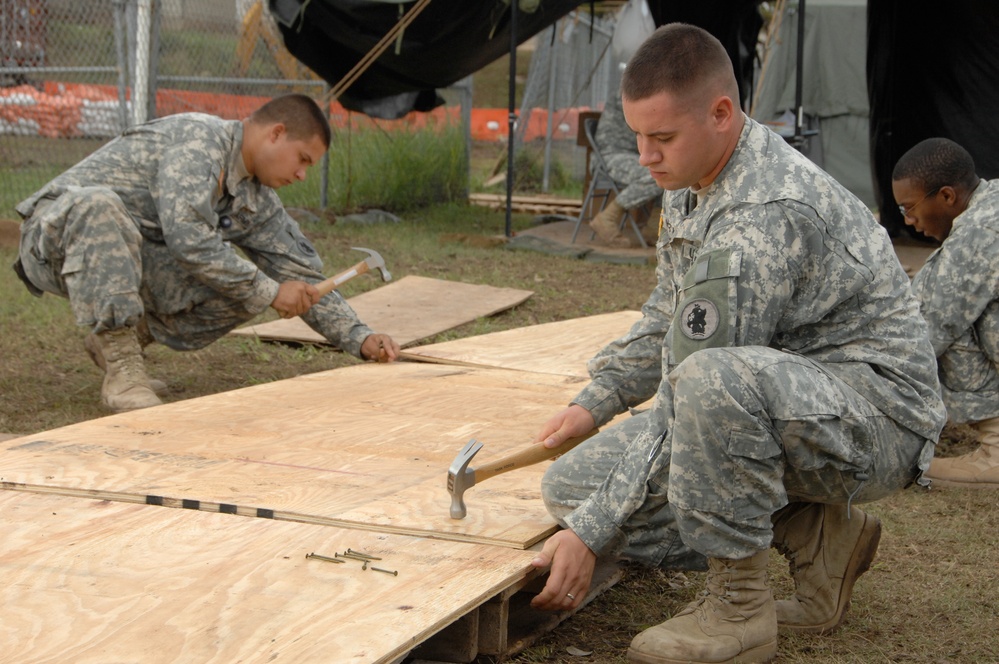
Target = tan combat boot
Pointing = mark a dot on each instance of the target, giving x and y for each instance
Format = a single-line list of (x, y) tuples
[(978, 469), (145, 338), (126, 385), (733, 620), (607, 225), (828, 547)]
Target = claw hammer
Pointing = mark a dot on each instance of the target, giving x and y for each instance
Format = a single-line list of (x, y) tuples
[(374, 261), (461, 477)]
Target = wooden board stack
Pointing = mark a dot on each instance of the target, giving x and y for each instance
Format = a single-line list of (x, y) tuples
[(93, 565)]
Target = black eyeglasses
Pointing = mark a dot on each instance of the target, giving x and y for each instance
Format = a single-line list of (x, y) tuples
[(908, 213)]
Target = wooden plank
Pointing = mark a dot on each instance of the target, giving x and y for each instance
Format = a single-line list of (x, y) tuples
[(542, 200), (92, 582), (409, 309), (529, 204), (562, 347), (366, 446)]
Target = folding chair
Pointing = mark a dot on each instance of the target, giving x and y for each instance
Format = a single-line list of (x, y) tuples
[(602, 185)]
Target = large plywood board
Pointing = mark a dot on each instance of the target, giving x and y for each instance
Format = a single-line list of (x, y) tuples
[(409, 310), (92, 582), (366, 446), (562, 347)]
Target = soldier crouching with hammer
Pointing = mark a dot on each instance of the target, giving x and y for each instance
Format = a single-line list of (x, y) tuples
[(142, 238), (792, 375)]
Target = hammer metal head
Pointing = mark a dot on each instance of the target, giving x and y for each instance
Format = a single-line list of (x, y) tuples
[(374, 261), (460, 477)]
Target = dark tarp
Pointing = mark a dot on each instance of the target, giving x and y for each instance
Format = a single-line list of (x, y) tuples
[(448, 41), (932, 70), (451, 39)]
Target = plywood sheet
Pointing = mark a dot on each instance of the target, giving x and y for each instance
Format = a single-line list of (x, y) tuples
[(88, 581), (563, 347), (410, 309), (366, 446)]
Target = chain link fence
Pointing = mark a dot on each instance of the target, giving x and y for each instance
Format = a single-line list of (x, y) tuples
[(572, 70), (75, 74)]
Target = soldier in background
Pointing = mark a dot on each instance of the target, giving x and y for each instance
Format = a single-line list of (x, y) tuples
[(808, 385), (142, 238), (941, 196), (616, 144)]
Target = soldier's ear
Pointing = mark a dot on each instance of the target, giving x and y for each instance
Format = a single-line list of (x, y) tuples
[(276, 131)]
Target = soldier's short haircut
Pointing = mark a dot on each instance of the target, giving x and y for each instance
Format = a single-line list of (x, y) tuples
[(300, 114), (935, 163), (678, 59)]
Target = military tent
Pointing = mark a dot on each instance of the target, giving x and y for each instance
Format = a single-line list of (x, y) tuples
[(931, 69)]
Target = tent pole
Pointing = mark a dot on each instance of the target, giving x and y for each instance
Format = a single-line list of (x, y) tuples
[(512, 117), (799, 138)]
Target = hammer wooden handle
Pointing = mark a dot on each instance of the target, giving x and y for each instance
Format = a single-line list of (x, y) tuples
[(526, 457), (329, 285)]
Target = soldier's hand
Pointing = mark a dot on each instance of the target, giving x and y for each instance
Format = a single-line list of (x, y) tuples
[(572, 564), (380, 347), (294, 298), (569, 423)]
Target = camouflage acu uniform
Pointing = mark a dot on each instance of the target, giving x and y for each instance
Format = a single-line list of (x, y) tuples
[(149, 225), (619, 151), (958, 291), (787, 359)]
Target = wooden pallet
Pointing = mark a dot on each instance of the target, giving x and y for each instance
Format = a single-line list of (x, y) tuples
[(507, 624), (91, 582), (529, 204), (94, 566)]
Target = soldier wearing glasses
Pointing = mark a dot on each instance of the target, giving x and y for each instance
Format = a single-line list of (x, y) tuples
[(940, 195)]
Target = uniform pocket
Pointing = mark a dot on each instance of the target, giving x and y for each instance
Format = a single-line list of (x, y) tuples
[(705, 316), (964, 367)]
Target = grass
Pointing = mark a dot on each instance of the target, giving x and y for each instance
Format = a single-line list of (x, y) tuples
[(929, 598)]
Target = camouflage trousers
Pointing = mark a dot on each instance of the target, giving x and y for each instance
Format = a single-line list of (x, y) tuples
[(86, 247), (639, 187), (969, 371), (753, 429)]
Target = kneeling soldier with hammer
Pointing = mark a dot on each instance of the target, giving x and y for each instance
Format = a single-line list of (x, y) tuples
[(792, 375), (142, 237)]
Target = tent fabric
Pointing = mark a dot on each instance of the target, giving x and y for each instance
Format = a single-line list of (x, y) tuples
[(448, 41), (834, 56), (735, 23), (834, 90), (932, 70)]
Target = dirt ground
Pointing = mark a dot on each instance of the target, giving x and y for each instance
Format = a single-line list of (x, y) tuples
[(9, 233)]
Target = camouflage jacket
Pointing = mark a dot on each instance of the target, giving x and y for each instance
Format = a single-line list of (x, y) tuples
[(773, 253), (958, 291), (183, 181), (799, 264)]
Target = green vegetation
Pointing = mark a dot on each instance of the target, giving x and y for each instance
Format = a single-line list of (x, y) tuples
[(397, 170)]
